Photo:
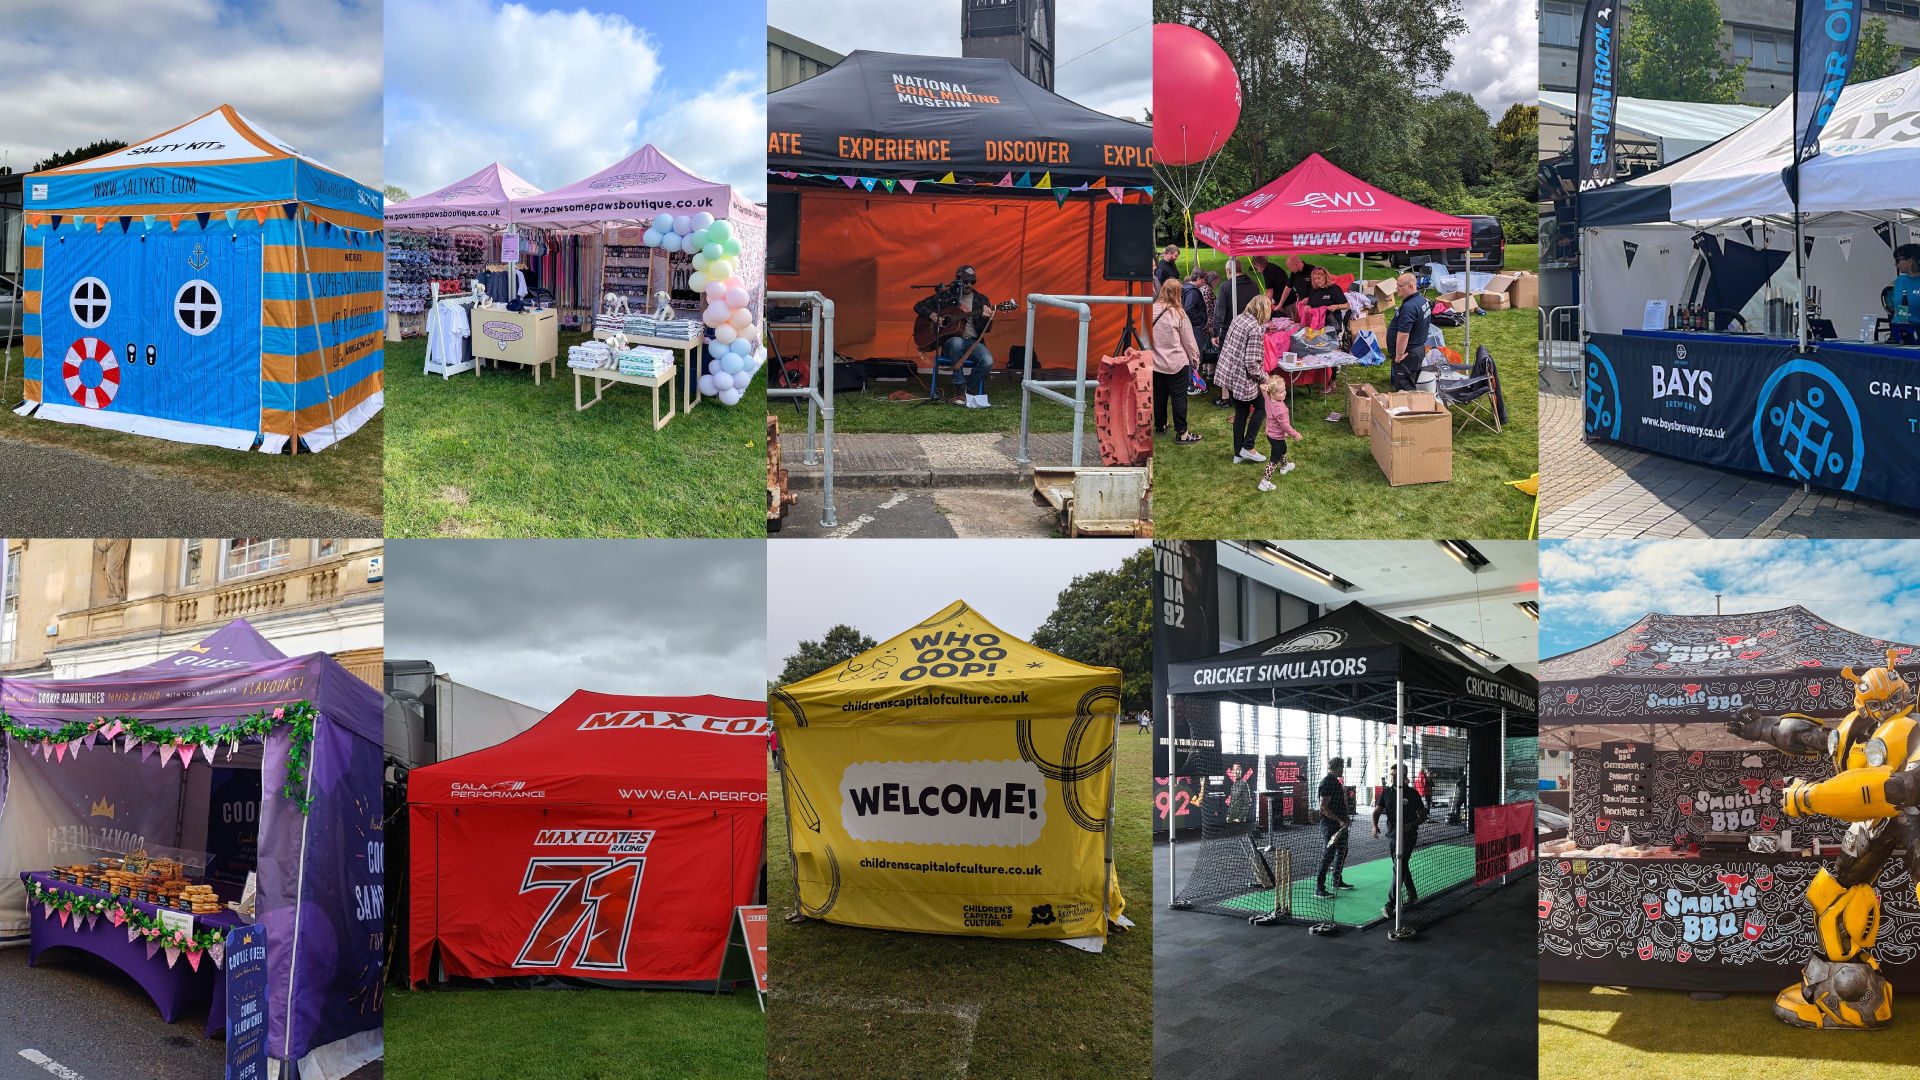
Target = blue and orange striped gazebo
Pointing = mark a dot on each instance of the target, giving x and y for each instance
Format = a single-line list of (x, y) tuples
[(209, 285)]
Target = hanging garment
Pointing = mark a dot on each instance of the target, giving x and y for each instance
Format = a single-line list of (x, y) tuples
[(449, 335)]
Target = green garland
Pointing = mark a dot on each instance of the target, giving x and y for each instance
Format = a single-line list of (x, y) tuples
[(299, 716), (149, 926)]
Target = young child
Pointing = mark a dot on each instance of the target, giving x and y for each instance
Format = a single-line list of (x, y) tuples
[(1279, 428)]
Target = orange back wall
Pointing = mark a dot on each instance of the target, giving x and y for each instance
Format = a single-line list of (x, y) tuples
[(866, 251)]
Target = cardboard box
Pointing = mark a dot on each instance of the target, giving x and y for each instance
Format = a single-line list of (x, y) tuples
[(1414, 445), (1492, 301), (1458, 301), (1500, 283), (1387, 289), (1526, 290), (1360, 398), (1375, 323)]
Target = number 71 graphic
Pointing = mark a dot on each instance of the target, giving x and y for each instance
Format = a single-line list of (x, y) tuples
[(598, 895)]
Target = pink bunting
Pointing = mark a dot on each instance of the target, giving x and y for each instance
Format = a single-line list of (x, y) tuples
[(186, 758), (63, 917), (146, 750), (48, 909), (173, 956), (60, 752), (850, 180), (115, 916), (91, 920), (133, 933), (193, 957), (908, 184), (1118, 194), (46, 751), (1005, 181), (207, 750), (114, 729), (166, 754)]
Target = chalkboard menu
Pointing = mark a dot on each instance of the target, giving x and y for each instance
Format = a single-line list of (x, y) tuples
[(1625, 781)]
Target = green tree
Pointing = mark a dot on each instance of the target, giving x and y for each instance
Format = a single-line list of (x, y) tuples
[(396, 193), (1105, 619), (1875, 57), (1516, 141), (91, 150), (1671, 50), (841, 643)]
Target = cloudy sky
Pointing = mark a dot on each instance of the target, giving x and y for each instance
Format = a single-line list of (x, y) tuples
[(1593, 589), (1498, 62), (535, 620), (1104, 60), (881, 587), (559, 92), (307, 71)]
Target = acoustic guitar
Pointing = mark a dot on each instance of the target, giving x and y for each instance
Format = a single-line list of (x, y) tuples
[(929, 329)]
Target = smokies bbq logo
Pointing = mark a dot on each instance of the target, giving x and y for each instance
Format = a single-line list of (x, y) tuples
[(964, 803), (1729, 913), (589, 916), (673, 721), (1718, 649)]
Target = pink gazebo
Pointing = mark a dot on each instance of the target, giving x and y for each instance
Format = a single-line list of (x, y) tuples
[(484, 200)]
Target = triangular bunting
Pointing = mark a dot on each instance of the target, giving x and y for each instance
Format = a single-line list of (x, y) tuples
[(1884, 231), (260, 214), (147, 749), (203, 217), (173, 956), (1060, 196), (146, 222), (1026, 180), (1119, 194), (289, 209), (947, 179), (55, 218), (888, 184), (99, 224), (1629, 249), (60, 752), (47, 909), (233, 217), (850, 181), (193, 957), (63, 916), (133, 934), (867, 182), (1046, 179), (1102, 182), (908, 184), (166, 754), (175, 220), (206, 751), (1846, 249), (116, 916), (218, 950), (126, 224)]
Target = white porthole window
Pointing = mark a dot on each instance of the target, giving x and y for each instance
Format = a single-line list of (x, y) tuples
[(196, 307), (90, 302)]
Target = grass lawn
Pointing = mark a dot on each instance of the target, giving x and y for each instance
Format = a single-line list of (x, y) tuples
[(346, 476), (1519, 257), (855, 1004), (871, 411), (575, 1035), (495, 456), (1596, 1032), (1336, 490)]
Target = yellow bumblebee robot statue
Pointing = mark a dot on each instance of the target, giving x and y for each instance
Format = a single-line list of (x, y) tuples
[(1876, 752)]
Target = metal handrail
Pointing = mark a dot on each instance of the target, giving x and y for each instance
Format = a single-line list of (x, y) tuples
[(819, 373), (1050, 388)]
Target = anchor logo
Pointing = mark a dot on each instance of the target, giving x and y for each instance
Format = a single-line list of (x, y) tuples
[(198, 260)]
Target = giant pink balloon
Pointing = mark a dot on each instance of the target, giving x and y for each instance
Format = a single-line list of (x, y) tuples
[(1196, 95)]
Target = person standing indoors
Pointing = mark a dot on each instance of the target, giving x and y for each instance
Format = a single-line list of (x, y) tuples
[(1240, 372), (1403, 832), (1407, 333), (1336, 825), (1174, 349)]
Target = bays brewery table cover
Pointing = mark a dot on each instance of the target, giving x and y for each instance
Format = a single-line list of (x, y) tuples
[(612, 840), (954, 780)]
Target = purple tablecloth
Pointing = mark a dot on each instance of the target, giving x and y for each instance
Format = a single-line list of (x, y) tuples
[(171, 988)]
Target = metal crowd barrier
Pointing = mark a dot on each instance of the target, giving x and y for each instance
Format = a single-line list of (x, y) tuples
[(819, 376), (1051, 388)]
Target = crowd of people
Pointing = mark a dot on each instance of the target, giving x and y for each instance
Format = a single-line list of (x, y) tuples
[(1196, 328)]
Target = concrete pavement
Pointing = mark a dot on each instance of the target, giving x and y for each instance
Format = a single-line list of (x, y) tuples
[(1596, 490), (55, 492)]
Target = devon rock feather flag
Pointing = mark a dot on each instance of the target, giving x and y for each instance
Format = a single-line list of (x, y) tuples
[(1593, 132), (1829, 32)]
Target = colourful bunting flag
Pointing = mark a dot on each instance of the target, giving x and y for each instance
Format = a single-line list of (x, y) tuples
[(1119, 194), (947, 179), (1026, 180), (1060, 196), (260, 214), (888, 184), (126, 223), (1046, 179), (850, 181), (867, 182), (1005, 181), (233, 217), (908, 184), (146, 222), (203, 216)]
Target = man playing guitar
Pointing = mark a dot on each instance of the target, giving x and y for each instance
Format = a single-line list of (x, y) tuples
[(952, 323)]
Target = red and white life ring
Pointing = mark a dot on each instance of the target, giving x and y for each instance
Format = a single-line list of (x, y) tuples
[(98, 396)]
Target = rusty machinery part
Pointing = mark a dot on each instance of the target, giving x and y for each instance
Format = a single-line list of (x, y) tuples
[(780, 496)]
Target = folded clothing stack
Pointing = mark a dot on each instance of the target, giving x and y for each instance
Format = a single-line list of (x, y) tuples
[(646, 361), (608, 323), (590, 356), (673, 329)]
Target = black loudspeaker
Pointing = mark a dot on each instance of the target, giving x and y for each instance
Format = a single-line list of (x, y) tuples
[(783, 232), (1129, 242)]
